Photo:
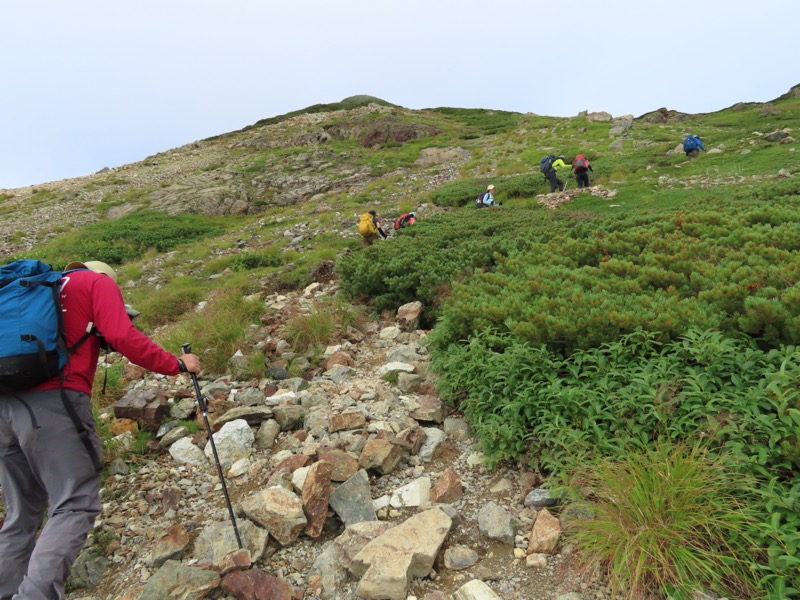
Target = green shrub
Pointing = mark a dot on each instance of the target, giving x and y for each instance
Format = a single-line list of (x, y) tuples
[(247, 261), (130, 237), (459, 193)]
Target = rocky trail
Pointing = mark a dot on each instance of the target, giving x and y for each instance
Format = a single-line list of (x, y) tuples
[(357, 482)]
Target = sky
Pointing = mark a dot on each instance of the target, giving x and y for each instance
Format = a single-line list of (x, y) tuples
[(89, 84)]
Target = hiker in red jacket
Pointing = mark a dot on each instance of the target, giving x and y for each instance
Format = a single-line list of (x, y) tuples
[(581, 167), (405, 220), (45, 466)]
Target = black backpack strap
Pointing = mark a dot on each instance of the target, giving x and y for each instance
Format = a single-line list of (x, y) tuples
[(83, 433)]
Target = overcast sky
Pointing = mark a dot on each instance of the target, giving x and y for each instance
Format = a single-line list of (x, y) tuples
[(89, 84)]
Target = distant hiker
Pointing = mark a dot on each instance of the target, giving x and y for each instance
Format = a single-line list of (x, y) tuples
[(405, 220), (550, 165), (581, 167), (369, 226), (45, 464), (692, 146), (486, 198)]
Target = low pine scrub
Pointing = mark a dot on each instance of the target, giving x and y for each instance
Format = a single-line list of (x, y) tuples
[(130, 237), (423, 263)]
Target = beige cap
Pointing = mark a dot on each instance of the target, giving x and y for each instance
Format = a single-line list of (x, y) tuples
[(93, 265), (490, 188)]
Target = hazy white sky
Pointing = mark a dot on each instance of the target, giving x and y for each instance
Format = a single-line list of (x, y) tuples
[(89, 84)]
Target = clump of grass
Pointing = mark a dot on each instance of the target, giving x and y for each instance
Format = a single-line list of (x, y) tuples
[(218, 331), (113, 449), (324, 324), (667, 521), (166, 304), (306, 330), (109, 384), (191, 425)]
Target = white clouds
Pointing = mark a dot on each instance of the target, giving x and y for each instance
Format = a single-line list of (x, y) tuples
[(97, 83)]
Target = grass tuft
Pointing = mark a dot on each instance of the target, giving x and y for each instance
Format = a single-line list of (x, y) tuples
[(667, 521)]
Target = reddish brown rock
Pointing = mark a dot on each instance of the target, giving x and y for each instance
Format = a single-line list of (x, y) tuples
[(412, 439), (430, 409), (427, 388), (346, 420), (380, 455), (339, 358), (144, 405), (170, 545), (256, 585), (238, 560), (316, 492), (293, 463), (170, 498), (447, 488), (344, 465), (133, 372)]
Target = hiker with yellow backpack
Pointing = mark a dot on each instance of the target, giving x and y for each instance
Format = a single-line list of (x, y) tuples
[(369, 226)]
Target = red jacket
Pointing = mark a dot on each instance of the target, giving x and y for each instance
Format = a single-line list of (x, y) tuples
[(92, 298)]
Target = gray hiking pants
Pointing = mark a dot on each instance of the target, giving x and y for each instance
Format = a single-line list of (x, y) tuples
[(44, 467)]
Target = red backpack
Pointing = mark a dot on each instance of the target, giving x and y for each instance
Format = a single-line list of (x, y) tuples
[(580, 163)]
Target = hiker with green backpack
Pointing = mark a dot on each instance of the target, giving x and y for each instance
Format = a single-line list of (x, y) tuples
[(49, 449)]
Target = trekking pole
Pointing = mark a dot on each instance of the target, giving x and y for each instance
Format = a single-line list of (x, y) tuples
[(201, 402)]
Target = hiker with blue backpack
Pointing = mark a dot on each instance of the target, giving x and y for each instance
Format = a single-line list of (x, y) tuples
[(692, 146), (549, 167), (52, 323)]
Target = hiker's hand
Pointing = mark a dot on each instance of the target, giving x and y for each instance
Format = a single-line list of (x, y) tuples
[(192, 363)]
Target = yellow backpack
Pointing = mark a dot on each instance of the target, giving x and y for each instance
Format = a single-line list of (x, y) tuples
[(366, 225)]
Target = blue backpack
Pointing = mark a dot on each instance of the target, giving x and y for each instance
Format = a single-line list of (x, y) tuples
[(33, 345), (546, 164), (689, 144)]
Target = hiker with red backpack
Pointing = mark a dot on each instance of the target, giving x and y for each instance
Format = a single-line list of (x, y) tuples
[(49, 449), (405, 220), (581, 167)]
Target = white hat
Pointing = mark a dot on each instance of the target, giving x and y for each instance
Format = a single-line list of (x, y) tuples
[(93, 265), (491, 187)]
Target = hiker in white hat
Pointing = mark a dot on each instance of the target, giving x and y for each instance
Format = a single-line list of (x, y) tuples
[(487, 198)]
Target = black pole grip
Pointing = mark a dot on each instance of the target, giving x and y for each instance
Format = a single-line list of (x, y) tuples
[(201, 401)]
